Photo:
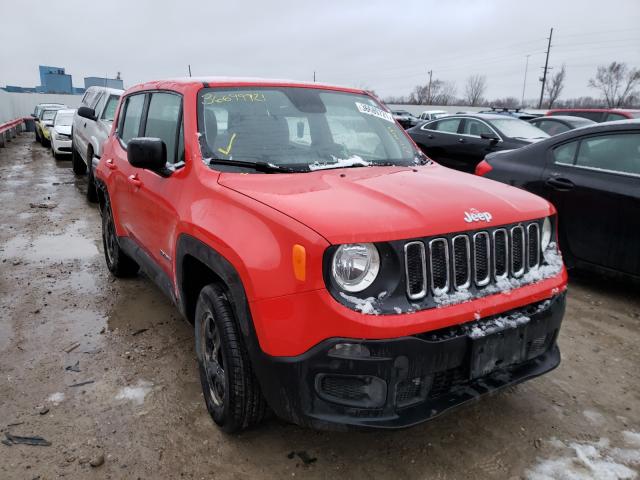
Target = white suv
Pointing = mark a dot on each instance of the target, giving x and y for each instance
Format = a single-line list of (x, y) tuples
[(91, 127)]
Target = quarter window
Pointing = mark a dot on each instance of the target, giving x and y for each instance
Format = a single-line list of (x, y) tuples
[(163, 122), (132, 116), (565, 154), (618, 153)]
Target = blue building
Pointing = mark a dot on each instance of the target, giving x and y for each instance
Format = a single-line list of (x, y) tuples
[(103, 82), (54, 80)]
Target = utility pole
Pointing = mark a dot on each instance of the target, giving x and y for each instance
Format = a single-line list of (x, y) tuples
[(524, 83), (189, 69), (546, 67), (314, 76), (430, 72)]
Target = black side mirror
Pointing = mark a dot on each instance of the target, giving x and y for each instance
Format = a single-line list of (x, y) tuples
[(148, 153), (489, 136), (86, 112)]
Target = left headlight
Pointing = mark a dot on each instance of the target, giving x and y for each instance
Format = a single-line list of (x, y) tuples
[(355, 266), (545, 238)]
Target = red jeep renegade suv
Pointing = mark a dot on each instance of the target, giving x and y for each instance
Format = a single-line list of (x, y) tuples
[(331, 270)]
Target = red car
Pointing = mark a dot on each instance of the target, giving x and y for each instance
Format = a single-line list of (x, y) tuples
[(331, 270), (597, 114)]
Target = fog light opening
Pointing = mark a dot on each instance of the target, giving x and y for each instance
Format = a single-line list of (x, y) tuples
[(350, 350)]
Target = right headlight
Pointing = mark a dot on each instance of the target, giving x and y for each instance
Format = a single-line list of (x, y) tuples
[(355, 266)]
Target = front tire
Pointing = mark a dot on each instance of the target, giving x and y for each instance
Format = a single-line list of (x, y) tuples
[(78, 165), (118, 262), (231, 390), (92, 194)]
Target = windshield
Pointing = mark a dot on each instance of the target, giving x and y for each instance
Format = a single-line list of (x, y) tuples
[(300, 128), (48, 114), (514, 128), (64, 119)]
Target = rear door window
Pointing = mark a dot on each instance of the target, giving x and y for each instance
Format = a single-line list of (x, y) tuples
[(450, 125), (164, 119), (132, 115), (615, 153), (475, 128)]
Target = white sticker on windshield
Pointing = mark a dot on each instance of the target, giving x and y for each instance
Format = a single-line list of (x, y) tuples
[(375, 111)]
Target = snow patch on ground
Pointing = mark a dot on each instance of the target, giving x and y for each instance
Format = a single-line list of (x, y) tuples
[(56, 398), (590, 461), (135, 394), (594, 417)]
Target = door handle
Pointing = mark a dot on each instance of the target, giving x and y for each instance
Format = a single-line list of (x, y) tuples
[(135, 180), (109, 163), (85, 124), (560, 183), (461, 140), (430, 136)]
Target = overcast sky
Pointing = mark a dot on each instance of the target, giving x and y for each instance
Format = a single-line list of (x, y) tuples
[(385, 45)]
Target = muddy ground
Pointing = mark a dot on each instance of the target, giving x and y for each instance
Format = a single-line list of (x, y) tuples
[(143, 412)]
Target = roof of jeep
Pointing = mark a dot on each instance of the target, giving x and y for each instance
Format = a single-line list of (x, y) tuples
[(240, 81)]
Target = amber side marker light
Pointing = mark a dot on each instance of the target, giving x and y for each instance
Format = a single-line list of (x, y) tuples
[(299, 256)]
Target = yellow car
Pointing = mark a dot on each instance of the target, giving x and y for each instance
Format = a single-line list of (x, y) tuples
[(43, 122)]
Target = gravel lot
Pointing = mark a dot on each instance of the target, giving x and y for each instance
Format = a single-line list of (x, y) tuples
[(65, 321)]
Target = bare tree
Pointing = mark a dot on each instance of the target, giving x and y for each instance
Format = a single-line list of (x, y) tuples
[(474, 89), (617, 83), (444, 94), (553, 87)]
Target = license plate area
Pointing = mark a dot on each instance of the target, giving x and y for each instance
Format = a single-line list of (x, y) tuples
[(497, 350)]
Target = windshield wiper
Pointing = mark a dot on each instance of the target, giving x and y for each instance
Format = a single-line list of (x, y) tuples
[(258, 166)]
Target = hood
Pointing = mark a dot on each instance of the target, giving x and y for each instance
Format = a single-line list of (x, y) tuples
[(371, 204), (63, 129)]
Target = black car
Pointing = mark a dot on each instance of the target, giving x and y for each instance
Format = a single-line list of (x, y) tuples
[(462, 141), (592, 176), (404, 118), (560, 123), (514, 112)]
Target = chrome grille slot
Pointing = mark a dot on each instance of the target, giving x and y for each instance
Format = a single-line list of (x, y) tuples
[(481, 253), (439, 265), (533, 245), (517, 251), (500, 253), (461, 262), (416, 270)]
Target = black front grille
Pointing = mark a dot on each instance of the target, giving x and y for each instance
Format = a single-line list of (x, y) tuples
[(416, 269), (501, 255), (346, 388), (439, 257), (481, 247), (474, 259), (517, 251), (461, 261)]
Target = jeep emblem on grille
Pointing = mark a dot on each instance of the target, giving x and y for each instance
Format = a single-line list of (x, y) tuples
[(474, 215)]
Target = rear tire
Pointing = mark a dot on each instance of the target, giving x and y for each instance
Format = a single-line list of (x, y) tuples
[(79, 167), (231, 390), (118, 262)]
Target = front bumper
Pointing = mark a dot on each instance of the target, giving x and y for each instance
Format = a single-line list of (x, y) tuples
[(411, 379), (61, 146)]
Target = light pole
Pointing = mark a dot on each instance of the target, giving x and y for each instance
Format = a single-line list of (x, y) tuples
[(524, 83)]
